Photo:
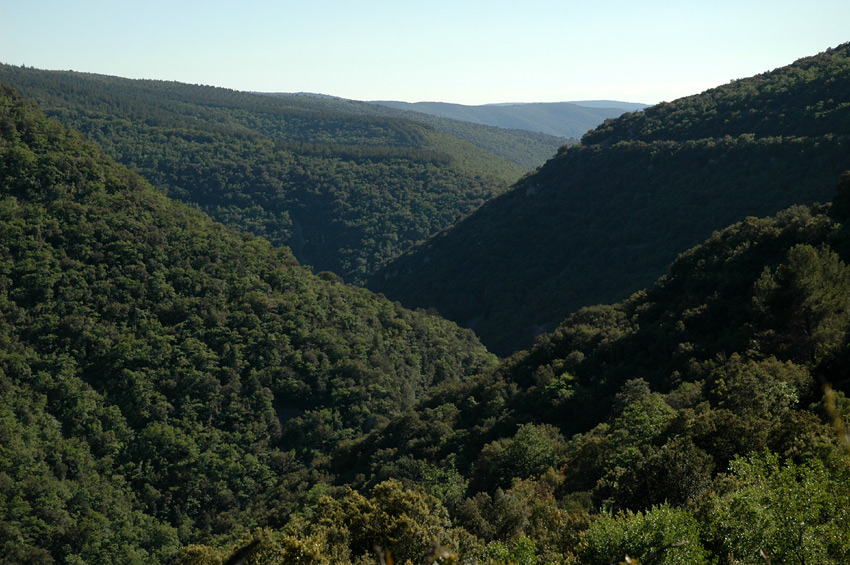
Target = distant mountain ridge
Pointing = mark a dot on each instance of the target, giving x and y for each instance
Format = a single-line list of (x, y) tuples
[(628, 106), (528, 149), (565, 119)]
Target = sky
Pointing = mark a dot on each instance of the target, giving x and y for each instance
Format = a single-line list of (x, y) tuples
[(460, 51)]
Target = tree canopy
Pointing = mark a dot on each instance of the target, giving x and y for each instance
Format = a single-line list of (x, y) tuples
[(604, 218)]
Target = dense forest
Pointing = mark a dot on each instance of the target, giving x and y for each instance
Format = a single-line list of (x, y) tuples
[(604, 218), (346, 185), (174, 391), (161, 373)]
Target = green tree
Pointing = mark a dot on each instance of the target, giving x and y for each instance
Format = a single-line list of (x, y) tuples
[(767, 386), (644, 420), (519, 552), (663, 535), (677, 473), (840, 209), (532, 450), (803, 305), (785, 513), (406, 523)]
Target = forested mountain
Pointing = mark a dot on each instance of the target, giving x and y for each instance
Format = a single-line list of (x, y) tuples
[(173, 390), (525, 147), (160, 373), (564, 119), (345, 189), (602, 219)]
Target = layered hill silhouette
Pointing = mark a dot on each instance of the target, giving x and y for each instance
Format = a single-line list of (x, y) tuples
[(604, 218), (564, 119), (345, 185)]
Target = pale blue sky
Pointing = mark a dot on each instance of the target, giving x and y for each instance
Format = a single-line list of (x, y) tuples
[(464, 51)]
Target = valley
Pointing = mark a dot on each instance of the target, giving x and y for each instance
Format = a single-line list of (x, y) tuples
[(232, 325)]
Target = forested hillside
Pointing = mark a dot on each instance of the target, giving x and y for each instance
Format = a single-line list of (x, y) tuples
[(698, 403), (344, 189), (565, 119), (603, 219), (162, 374), (173, 390), (700, 421)]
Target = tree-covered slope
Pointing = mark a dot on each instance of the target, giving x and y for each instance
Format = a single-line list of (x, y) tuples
[(699, 421), (162, 374), (345, 190), (564, 119), (176, 391), (603, 219), (698, 402)]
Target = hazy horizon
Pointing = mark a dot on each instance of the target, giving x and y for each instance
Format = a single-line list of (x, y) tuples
[(470, 53)]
